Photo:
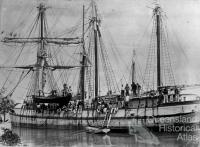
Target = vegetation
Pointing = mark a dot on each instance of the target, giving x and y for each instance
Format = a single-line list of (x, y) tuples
[(9, 137), (6, 106)]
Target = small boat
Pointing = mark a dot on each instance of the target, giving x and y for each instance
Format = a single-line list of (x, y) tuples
[(104, 129), (96, 130)]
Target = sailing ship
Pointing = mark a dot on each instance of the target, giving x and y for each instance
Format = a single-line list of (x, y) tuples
[(50, 107), (45, 104)]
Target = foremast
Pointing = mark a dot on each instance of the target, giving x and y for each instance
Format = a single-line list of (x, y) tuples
[(42, 68)]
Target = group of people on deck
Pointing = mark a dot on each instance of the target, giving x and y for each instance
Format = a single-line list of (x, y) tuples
[(135, 88), (66, 90), (54, 108), (170, 94)]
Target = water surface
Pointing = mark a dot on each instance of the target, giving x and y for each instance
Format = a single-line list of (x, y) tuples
[(79, 138)]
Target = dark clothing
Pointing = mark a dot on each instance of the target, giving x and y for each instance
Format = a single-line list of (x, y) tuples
[(127, 93), (165, 91), (127, 89), (122, 93), (134, 87)]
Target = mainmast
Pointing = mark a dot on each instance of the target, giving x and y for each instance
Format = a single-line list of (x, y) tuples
[(82, 72), (95, 48), (157, 13)]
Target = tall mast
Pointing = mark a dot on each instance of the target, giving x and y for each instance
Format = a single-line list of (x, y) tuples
[(157, 13), (133, 71), (96, 63), (41, 55), (95, 48), (133, 67), (82, 76)]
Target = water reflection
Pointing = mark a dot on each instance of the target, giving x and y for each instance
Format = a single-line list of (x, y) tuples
[(79, 138)]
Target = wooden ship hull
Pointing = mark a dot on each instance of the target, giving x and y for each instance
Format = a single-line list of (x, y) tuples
[(159, 118)]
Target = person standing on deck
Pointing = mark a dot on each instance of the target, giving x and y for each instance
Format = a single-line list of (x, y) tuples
[(138, 89), (64, 91), (70, 91), (126, 96), (177, 92), (172, 93), (165, 93), (127, 90), (122, 91), (134, 87)]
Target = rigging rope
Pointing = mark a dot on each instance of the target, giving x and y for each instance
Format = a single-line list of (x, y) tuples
[(37, 18), (20, 79)]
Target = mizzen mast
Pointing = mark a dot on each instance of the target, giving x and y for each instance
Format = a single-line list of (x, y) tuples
[(157, 13), (133, 67)]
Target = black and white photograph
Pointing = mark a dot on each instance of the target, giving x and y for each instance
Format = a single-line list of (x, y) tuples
[(100, 73)]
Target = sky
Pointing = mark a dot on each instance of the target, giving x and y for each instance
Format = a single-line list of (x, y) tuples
[(128, 22)]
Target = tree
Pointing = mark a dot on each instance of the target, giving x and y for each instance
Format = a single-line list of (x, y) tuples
[(6, 105)]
